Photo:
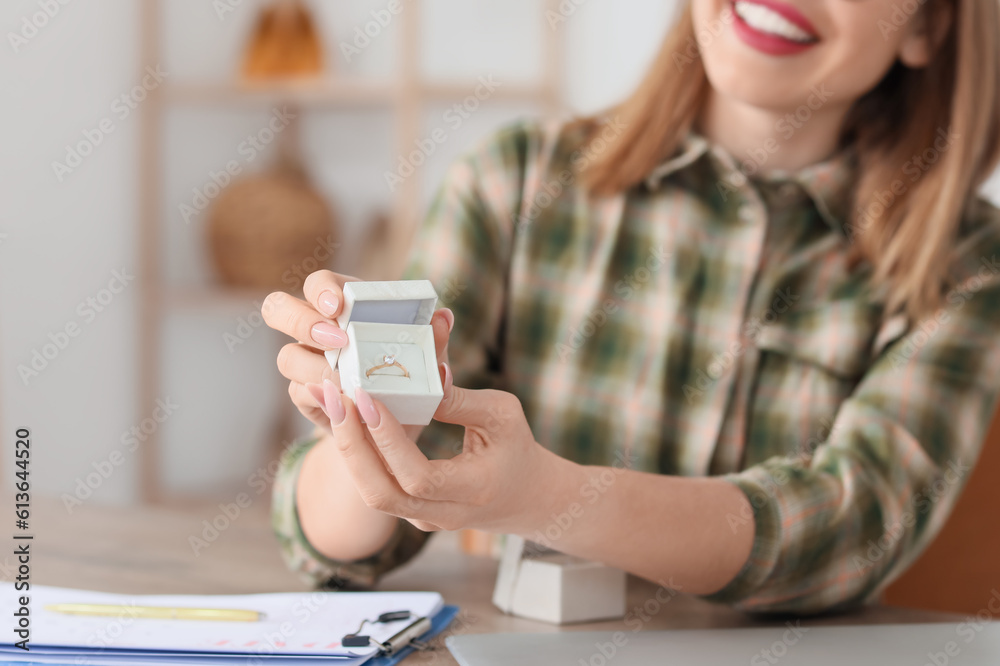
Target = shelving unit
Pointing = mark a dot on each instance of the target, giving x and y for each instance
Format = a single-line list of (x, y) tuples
[(406, 97)]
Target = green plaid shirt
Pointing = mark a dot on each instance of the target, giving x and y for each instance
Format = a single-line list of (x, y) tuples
[(707, 323)]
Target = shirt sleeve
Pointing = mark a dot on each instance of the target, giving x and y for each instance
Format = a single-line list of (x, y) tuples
[(463, 249), (311, 565), (833, 528)]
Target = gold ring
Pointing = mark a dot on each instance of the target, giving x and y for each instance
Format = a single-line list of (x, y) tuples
[(388, 361)]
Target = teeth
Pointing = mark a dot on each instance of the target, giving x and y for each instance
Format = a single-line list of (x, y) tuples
[(767, 20)]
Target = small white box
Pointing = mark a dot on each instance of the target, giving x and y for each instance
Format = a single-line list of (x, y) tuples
[(390, 322), (557, 588)]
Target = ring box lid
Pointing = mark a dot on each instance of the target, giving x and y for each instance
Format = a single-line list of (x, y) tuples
[(386, 302)]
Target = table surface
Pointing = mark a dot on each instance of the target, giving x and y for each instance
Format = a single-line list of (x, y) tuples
[(149, 551)]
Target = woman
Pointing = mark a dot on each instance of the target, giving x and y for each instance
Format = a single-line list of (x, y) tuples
[(740, 334)]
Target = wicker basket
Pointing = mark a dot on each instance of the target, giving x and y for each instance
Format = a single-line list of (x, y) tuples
[(266, 231)]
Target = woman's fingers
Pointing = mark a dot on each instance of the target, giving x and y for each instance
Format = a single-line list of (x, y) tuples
[(324, 290), (376, 485), (302, 363), (438, 480), (309, 406), (441, 323), (403, 458), (296, 318)]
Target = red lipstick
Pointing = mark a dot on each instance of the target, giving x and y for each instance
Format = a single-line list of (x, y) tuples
[(775, 44)]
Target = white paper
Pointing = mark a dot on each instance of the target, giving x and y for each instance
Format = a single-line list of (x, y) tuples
[(299, 624)]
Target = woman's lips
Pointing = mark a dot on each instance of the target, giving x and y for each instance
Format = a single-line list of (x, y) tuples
[(769, 42)]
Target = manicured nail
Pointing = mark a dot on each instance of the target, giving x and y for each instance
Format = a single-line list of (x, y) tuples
[(328, 335), (367, 408), (446, 378), (334, 405), (449, 317), (317, 393), (328, 303)]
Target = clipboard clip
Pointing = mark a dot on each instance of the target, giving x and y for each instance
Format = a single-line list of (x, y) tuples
[(407, 636)]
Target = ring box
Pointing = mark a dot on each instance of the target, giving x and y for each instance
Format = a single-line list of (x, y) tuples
[(556, 588), (386, 323)]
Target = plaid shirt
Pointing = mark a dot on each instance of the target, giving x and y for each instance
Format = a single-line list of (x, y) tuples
[(707, 323)]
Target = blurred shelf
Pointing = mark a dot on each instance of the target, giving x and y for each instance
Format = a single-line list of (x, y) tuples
[(503, 91), (340, 92), (325, 92), (405, 97)]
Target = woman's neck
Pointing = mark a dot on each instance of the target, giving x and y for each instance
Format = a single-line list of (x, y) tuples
[(769, 140)]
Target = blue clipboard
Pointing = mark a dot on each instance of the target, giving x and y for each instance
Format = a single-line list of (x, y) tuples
[(438, 624)]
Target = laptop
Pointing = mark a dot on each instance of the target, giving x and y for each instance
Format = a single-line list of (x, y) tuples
[(971, 643)]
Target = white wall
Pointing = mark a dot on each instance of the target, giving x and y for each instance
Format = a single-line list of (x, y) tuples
[(62, 241)]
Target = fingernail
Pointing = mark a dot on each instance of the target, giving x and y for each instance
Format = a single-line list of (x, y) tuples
[(317, 393), (328, 303), (328, 335), (367, 408), (449, 317), (446, 378), (334, 406)]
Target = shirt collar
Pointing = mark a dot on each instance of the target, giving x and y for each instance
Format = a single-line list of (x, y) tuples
[(828, 183)]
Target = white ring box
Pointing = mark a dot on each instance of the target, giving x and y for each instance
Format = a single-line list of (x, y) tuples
[(557, 588), (391, 319)]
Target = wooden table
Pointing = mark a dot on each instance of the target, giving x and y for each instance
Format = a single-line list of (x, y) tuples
[(148, 551)]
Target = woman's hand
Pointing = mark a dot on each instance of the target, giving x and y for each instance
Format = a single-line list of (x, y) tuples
[(312, 322), (502, 481)]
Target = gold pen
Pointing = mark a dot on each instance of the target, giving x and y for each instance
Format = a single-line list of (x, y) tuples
[(157, 612)]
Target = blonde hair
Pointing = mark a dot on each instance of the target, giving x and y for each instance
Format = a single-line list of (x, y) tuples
[(908, 238)]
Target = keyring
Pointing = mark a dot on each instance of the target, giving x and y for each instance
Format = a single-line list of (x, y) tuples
[(388, 361)]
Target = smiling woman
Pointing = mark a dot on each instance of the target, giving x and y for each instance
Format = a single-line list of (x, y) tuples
[(793, 378)]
